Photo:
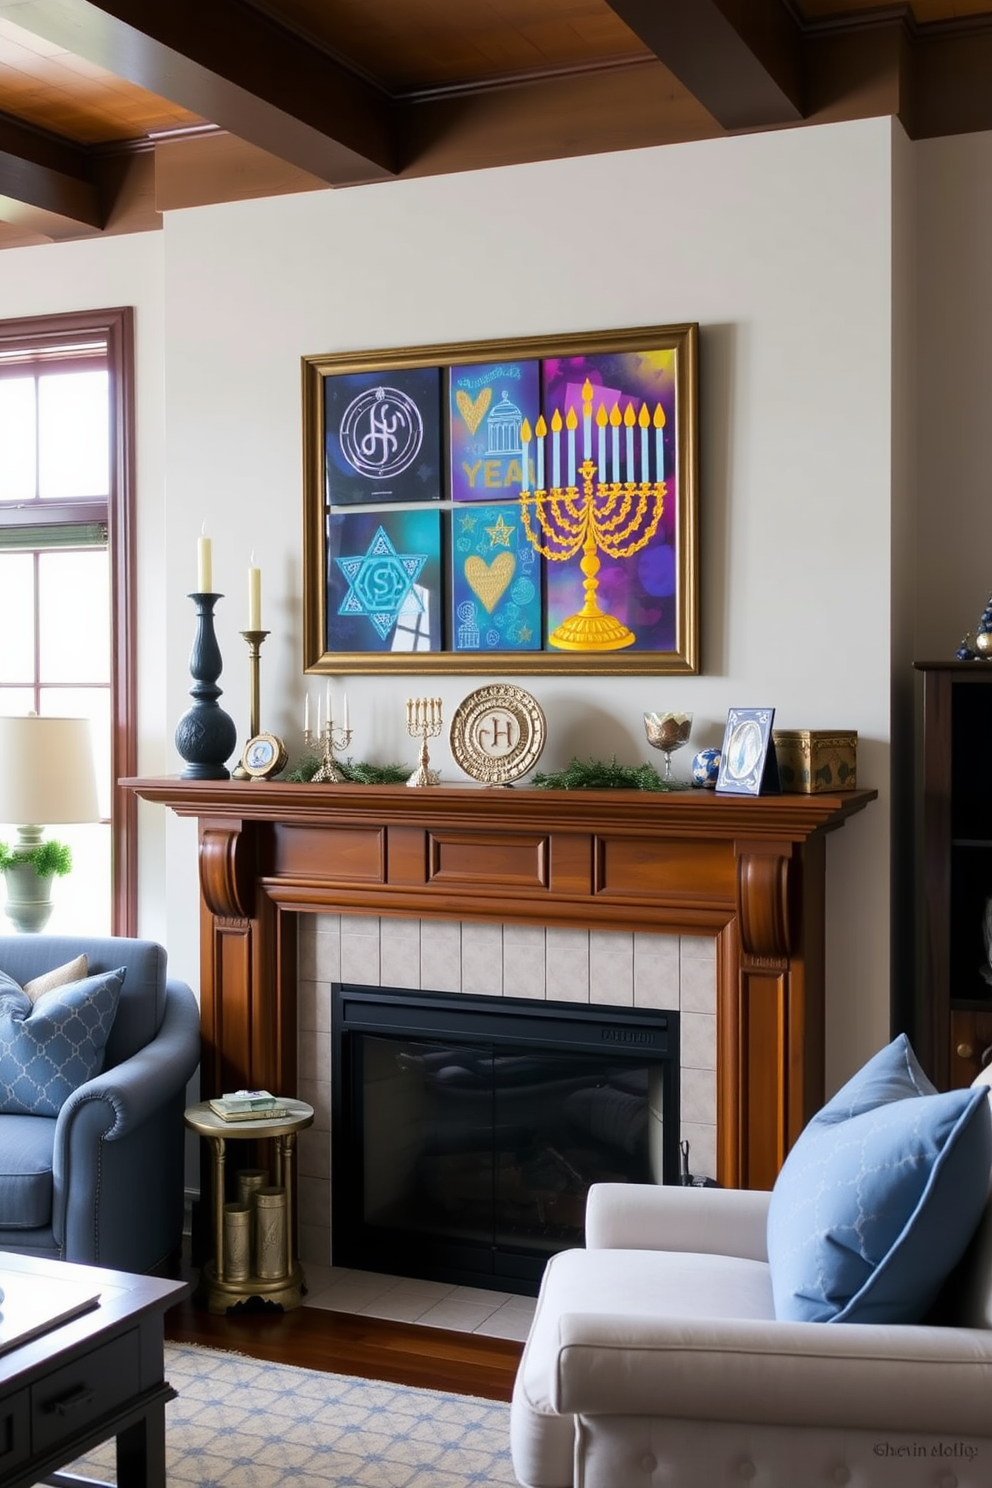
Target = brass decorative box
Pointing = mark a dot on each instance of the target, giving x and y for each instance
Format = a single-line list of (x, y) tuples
[(811, 761)]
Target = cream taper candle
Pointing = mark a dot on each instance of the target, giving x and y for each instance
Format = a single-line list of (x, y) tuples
[(204, 566), (254, 598)]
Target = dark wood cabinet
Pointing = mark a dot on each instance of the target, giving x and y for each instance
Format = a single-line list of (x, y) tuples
[(952, 1023)]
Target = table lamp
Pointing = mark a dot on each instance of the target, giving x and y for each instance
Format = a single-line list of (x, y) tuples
[(46, 776)]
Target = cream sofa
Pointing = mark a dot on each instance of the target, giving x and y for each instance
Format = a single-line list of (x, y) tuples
[(655, 1358)]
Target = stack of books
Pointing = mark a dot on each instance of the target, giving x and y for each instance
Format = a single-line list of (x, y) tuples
[(249, 1105)]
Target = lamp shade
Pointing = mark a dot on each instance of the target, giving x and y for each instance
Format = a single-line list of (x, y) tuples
[(46, 771)]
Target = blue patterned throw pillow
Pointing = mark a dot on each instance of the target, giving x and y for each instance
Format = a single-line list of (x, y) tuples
[(49, 1048), (878, 1198)]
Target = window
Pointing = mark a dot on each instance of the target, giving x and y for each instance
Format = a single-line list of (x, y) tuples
[(65, 571)]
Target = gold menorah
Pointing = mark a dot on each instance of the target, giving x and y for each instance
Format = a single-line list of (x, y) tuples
[(614, 517), (423, 721)]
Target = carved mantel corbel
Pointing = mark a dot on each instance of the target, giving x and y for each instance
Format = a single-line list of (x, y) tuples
[(765, 871), (227, 870)]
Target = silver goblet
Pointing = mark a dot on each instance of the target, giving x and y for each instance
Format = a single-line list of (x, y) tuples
[(668, 732)]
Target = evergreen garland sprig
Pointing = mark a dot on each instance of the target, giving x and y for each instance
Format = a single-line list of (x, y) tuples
[(365, 774), (47, 858), (596, 774), (303, 772), (359, 773)]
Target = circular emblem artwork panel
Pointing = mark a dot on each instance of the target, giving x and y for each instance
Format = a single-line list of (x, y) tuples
[(382, 432), (497, 733)]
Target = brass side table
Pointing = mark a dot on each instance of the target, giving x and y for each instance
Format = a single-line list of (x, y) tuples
[(216, 1290)]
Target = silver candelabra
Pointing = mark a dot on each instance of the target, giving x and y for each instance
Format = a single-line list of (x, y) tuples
[(325, 741)]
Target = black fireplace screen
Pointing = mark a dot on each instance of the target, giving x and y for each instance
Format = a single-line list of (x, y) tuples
[(467, 1130)]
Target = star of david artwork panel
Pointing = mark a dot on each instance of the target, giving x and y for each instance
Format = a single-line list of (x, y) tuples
[(384, 581), (521, 505)]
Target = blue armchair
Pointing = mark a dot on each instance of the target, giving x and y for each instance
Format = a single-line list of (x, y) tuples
[(101, 1182)]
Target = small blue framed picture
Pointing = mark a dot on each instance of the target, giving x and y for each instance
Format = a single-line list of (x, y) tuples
[(748, 764)]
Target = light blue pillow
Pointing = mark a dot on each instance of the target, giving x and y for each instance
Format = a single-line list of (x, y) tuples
[(878, 1198), (49, 1048)]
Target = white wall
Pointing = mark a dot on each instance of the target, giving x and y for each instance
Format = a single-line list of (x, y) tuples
[(779, 245)]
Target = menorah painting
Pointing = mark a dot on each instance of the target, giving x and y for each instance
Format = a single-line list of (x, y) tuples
[(599, 506), (517, 505)]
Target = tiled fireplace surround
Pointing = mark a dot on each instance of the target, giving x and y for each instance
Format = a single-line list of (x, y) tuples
[(609, 968)]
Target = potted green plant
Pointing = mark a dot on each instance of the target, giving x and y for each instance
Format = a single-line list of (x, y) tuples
[(29, 872)]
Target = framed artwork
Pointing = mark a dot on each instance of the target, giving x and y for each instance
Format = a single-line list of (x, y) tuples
[(503, 506), (748, 763)]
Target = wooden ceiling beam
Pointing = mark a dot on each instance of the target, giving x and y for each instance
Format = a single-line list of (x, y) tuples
[(952, 66), (859, 72), (621, 108), (228, 63), (741, 59), (44, 172)]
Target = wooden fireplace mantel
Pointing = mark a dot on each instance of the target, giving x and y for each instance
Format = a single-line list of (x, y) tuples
[(748, 871)]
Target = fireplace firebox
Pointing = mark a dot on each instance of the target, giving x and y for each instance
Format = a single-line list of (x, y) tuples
[(466, 1130)]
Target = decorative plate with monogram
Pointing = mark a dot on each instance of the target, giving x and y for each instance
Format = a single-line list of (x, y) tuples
[(497, 733)]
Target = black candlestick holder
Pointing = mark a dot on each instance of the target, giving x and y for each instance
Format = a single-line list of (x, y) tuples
[(206, 736)]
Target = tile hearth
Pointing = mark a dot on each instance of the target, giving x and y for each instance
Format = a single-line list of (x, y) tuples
[(402, 1299), (431, 1304), (609, 968)]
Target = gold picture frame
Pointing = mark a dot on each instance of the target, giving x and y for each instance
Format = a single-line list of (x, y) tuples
[(503, 507)]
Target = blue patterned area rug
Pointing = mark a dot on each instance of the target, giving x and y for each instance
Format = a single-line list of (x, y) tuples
[(243, 1423)]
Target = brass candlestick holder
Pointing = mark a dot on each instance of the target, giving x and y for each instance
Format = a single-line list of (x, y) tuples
[(326, 740), (423, 721), (264, 754)]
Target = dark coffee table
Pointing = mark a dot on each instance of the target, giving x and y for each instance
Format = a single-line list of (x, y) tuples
[(96, 1375)]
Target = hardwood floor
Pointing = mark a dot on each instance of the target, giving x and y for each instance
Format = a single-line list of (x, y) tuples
[(346, 1343)]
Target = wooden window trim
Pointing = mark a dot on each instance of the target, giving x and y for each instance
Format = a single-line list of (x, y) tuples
[(117, 326)]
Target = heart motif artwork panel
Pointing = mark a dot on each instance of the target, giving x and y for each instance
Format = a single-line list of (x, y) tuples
[(473, 410), (495, 580), (489, 580), (490, 404)]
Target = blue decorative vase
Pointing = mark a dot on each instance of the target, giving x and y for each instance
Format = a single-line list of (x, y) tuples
[(705, 768), (206, 736)]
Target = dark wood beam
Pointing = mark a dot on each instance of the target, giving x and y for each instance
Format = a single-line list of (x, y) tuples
[(231, 65), (213, 166), (859, 70), (43, 171), (742, 59), (952, 67), (553, 118)]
